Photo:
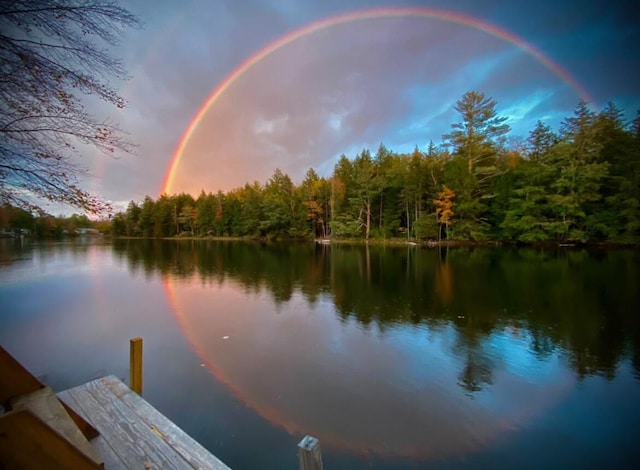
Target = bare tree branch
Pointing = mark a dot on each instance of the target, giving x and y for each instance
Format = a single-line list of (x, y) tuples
[(51, 58)]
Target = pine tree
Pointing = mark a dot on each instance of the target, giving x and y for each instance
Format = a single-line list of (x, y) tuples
[(476, 145)]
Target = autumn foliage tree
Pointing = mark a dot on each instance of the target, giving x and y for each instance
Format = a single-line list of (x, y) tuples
[(52, 57), (444, 210)]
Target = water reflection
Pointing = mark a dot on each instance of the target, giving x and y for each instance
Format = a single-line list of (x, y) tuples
[(577, 302), (390, 391), (395, 351)]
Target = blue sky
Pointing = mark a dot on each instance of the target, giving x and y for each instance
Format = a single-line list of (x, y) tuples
[(391, 80)]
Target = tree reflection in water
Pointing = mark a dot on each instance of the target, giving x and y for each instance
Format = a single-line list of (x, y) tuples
[(578, 303)]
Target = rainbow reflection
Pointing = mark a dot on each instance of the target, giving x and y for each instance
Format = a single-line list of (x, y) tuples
[(390, 392)]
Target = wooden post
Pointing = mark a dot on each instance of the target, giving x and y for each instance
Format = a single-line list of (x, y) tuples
[(135, 365), (309, 454)]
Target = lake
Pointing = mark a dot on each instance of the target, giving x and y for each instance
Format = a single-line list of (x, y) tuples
[(394, 357)]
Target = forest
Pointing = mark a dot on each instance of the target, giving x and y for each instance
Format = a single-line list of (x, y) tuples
[(578, 184)]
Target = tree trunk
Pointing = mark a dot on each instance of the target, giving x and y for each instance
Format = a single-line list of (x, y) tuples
[(408, 220), (380, 221), (368, 204)]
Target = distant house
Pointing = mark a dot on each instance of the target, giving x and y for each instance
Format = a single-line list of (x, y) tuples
[(87, 231), (14, 232)]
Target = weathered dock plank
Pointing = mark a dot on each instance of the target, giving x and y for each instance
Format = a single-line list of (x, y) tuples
[(130, 439), (44, 404), (133, 434), (99, 443), (190, 450)]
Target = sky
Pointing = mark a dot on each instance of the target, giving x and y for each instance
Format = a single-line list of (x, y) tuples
[(281, 93)]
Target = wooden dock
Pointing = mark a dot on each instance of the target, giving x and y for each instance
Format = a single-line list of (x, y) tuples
[(133, 434), (100, 424)]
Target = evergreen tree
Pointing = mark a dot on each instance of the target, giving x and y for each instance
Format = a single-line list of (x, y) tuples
[(382, 161), (475, 142), (365, 190), (579, 175), (618, 218), (131, 220), (540, 140), (205, 213), (278, 206), (146, 218)]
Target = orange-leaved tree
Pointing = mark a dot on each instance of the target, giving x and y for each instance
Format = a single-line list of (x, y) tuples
[(444, 210)]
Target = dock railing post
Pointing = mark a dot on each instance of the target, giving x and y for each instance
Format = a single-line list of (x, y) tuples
[(309, 454), (135, 365)]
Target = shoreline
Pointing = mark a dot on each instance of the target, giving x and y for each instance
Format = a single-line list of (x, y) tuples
[(401, 242)]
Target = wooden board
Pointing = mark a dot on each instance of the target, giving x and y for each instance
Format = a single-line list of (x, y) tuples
[(46, 406), (133, 434), (15, 380), (28, 442), (99, 443)]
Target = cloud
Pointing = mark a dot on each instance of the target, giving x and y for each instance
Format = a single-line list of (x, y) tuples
[(388, 80), (359, 84), (270, 126)]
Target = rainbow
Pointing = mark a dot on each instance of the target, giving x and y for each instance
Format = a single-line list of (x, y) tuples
[(200, 334), (376, 13)]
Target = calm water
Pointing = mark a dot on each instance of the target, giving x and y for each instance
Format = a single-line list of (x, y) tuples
[(392, 357)]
